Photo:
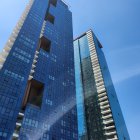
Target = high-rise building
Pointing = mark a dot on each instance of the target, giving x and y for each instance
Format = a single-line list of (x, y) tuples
[(37, 83), (99, 113)]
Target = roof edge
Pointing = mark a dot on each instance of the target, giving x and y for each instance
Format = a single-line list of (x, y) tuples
[(83, 34)]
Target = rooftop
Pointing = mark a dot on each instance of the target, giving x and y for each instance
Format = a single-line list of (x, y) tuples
[(66, 3)]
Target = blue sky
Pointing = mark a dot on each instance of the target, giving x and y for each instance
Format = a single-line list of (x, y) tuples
[(117, 25)]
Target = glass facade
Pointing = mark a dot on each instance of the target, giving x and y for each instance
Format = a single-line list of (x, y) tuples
[(79, 91), (37, 83), (99, 113)]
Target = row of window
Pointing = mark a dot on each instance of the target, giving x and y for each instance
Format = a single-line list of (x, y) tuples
[(27, 44), (21, 57), (27, 39), (3, 134), (13, 75), (30, 122), (7, 101), (22, 52)]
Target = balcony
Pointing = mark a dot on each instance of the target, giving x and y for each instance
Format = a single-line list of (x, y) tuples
[(97, 76), (33, 66), (21, 114), (4, 53), (1, 66), (2, 59), (94, 58), (105, 107), (36, 56), (103, 103), (15, 135), (115, 138), (99, 84), (97, 73), (110, 133), (106, 111), (95, 61), (96, 68), (34, 62), (90, 38), (101, 90), (108, 121), (103, 98), (94, 55), (102, 94), (43, 29), (30, 77), (102, 87), (32, 71), (109, 127), (7, 48), (36, 52), (18, 124)]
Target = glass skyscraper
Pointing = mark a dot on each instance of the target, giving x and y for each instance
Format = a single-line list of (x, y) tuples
[(37, 81), (98, 109)]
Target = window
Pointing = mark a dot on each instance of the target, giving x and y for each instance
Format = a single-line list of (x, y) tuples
[(49, 102), (51, 77), (47, 127)]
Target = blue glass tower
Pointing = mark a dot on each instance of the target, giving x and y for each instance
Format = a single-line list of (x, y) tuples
[(98, 109), (37, 84)]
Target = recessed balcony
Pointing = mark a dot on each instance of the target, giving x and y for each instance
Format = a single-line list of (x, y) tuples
[(45, 44), (49, 17), (34, 93)]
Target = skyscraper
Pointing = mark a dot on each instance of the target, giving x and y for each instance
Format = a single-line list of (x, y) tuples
[(99, 113), (37, 84)]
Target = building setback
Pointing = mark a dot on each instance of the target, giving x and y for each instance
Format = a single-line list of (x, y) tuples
[(37, 83), (99, 113)]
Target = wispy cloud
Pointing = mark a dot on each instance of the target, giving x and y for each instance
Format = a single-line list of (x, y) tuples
[(125, 49), (129, 65), (126, 74)]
